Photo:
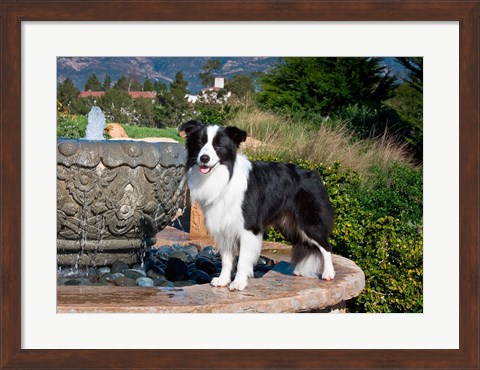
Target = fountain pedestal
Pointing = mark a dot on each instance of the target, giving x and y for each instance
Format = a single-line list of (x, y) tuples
[(113, 197)]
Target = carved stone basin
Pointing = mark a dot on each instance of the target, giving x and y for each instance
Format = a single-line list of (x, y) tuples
[(113, 197)]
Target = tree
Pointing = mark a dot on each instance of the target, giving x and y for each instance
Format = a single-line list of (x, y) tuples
[(93, 84), (127, 84), (117, 105), (173, 106), (206, 76), (67, 92), (407, 102), (82, 105), (121, 84), (179, 84), (134, 85), (107, 83), (414, 66), (240, 86), (159, 87), (148, 85), (324, 85), (143, 112)]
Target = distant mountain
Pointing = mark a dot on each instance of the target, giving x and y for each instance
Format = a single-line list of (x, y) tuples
[(163, 69)]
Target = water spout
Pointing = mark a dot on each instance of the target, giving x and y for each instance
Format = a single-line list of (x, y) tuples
[(96, 124)]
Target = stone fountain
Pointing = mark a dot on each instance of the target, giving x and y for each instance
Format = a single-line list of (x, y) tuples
[(114, 196)]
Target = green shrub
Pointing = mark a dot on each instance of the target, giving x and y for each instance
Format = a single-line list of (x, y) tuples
[(71, 126), (273, 235), (389, 253), (215, 113), (82, 106), (396, 191), (360, 119), (367, 122)]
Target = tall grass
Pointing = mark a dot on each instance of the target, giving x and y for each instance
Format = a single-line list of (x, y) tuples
[(287, 140)]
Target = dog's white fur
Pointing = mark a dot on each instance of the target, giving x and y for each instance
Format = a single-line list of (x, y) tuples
[(222, 207), (313, 264)]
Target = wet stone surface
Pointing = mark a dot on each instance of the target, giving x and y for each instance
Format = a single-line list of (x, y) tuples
[(168, 266), (275, 292)]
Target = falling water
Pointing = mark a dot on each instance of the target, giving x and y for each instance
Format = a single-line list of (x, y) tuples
[(95, 128), (100, 233), (84, 231), (96, 124)]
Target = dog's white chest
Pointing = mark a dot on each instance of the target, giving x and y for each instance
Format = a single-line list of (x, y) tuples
[(221, 197), (224, 217)]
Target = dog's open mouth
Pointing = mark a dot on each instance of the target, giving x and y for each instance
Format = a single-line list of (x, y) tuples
[(205, 169)]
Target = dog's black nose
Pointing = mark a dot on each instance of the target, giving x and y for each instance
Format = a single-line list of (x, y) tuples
[(204, 158)]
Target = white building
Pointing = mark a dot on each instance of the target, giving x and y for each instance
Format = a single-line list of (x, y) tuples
[(209, 94)]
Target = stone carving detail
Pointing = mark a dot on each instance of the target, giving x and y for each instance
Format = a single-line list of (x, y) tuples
[(113, 197)]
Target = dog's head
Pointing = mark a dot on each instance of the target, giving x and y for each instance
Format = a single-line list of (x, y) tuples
[(210, 146)]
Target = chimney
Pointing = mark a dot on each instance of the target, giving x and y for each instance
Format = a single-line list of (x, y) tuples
[(219, 82)]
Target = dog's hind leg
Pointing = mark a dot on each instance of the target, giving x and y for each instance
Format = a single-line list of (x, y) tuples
[(328, 270), (250, 248), (306, 259), (325, 249)]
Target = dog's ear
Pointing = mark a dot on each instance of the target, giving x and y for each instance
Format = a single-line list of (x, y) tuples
[(238, 136), (189, 127)]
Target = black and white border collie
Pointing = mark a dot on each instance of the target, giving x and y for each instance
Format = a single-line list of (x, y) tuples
[(241, 199)]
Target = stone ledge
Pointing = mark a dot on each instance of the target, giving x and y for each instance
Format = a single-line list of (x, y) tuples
[(274, 293), (170, 235)]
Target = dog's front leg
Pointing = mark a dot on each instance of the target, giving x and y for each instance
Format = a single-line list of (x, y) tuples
[(250, 248), (226, 251)]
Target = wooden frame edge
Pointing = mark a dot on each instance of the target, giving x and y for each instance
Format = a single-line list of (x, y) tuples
[(14, 12)]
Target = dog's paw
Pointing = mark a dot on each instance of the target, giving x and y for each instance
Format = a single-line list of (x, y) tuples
[(328, 274), (305, 274), (219, 281), (238, 285)]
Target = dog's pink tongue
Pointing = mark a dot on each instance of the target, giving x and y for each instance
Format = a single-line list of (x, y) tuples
[(204, 169)]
